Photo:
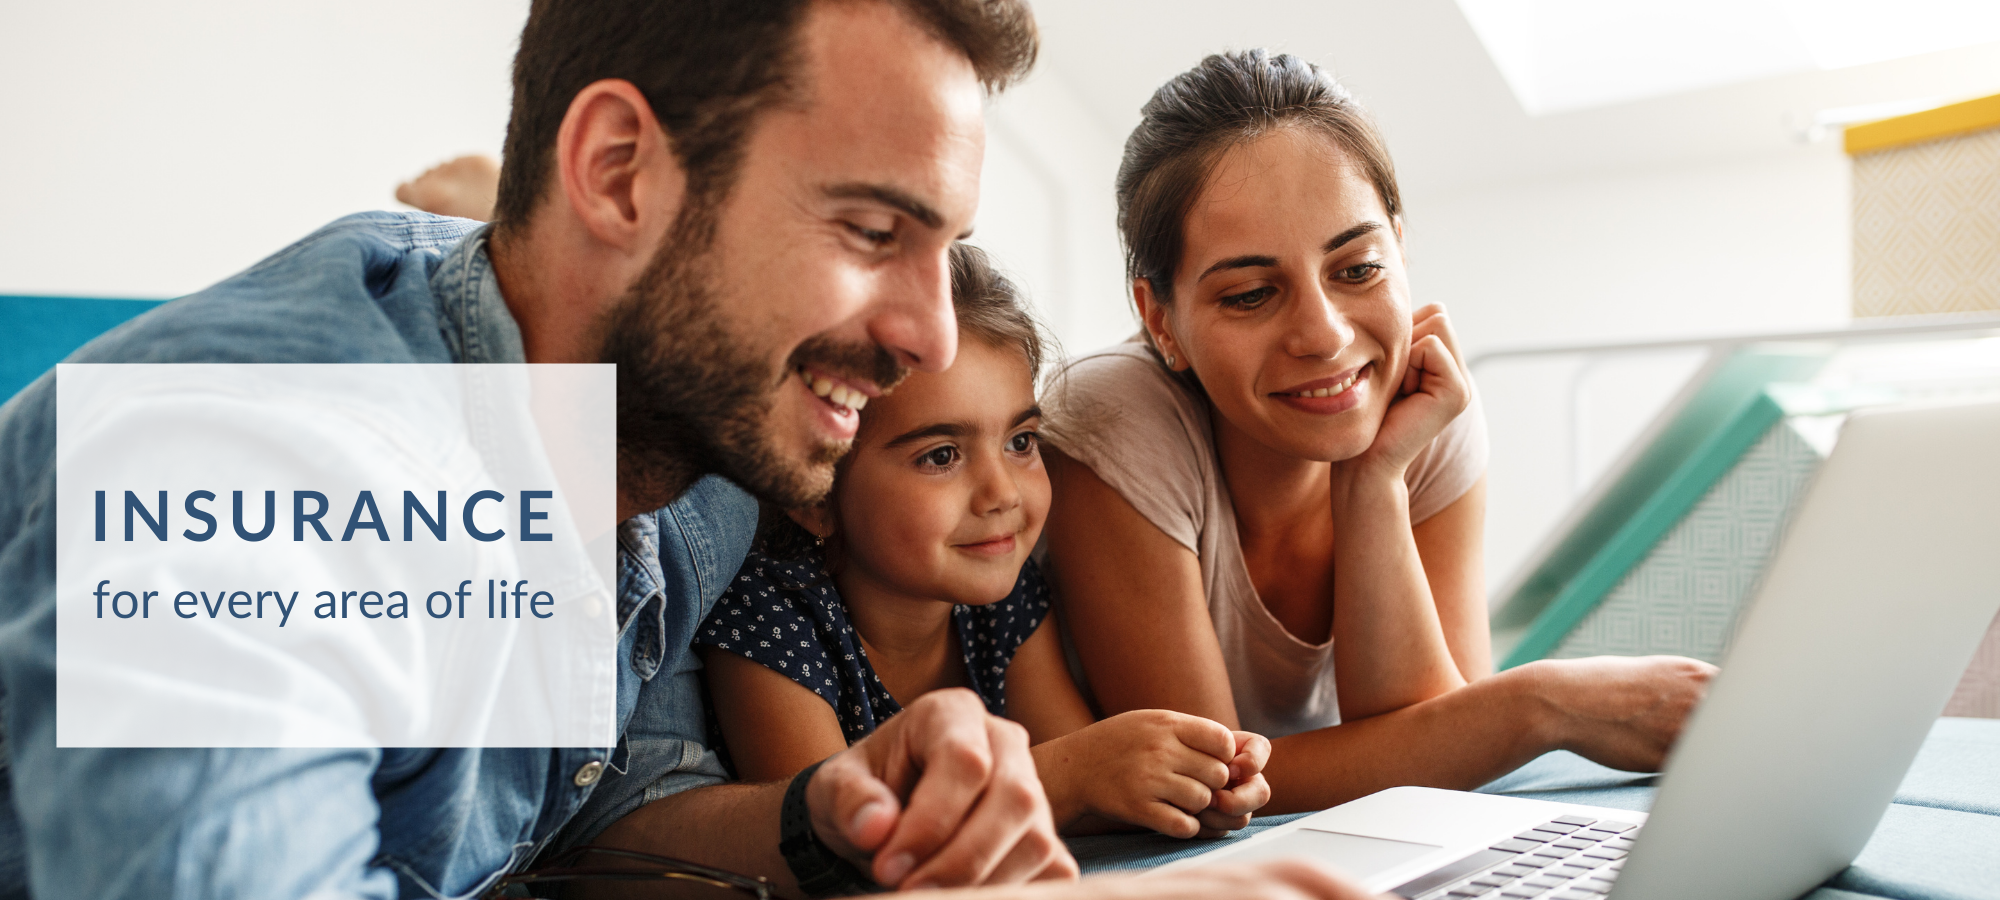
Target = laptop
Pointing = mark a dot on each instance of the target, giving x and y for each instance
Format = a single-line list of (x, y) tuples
[(1867, 616)]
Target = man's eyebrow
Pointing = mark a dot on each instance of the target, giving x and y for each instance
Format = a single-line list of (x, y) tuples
[(1264, 262), (1032, 412), (938, 429), (884, 194)]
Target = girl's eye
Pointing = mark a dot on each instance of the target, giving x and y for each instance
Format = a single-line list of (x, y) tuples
[(1250, 299), (1357, 274), (1023, 442), (940, 458)]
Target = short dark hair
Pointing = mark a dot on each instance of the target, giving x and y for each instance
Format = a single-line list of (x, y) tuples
[(1228, 99), (706, 67)]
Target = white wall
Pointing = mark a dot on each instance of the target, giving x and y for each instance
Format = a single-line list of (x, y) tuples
[(1047, 214), (1695, 249), (153, 148)]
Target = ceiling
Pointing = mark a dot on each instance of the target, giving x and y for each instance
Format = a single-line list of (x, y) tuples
[(1450, 118)]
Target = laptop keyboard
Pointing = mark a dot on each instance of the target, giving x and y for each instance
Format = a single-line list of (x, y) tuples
[(1566, 858)]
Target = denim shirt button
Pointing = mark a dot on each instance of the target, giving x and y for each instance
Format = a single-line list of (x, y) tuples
[(587, 776)]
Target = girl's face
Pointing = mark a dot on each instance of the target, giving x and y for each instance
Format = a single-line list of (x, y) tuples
[(1291, 302), (944, 492)]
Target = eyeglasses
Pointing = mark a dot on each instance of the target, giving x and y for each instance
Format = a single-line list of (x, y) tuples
[(634, 874)]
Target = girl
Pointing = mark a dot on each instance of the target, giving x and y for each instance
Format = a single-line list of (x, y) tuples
[(1270, 502), (914, 576)]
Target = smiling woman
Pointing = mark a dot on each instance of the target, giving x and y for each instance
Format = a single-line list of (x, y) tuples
[(1289, 459)]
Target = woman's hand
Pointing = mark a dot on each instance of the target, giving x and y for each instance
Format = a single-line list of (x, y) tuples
[(1435, 387), (1155, 769), (1622, 712)]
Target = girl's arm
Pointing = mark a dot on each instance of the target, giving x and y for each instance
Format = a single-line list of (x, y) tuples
[(774, 726), (1154, 769), (1040, 694), (1134, 600)]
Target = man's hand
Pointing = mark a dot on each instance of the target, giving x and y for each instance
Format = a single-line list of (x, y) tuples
[(1273, 880), (942, 795)]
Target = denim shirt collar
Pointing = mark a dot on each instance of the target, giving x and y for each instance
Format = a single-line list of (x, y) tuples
[(479, 328), (473, 317)]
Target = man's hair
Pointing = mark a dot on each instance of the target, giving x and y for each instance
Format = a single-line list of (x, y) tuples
[(707, 67)]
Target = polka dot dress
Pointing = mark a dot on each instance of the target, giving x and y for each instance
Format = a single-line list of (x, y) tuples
[(788, 616)]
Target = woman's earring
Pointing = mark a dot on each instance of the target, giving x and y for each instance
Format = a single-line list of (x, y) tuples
[(1170, 360)]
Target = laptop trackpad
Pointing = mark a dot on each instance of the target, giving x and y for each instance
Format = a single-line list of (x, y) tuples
[(1351, 853)]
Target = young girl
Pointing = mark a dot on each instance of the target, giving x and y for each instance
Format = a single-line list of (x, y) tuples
[(914, 576)]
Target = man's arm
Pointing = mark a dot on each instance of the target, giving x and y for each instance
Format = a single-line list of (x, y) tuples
[(941, 795)]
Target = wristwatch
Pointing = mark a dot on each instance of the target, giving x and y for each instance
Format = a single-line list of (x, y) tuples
[(820, 871)]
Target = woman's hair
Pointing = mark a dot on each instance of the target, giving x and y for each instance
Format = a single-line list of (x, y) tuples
[(1228, 99), (989, 308)]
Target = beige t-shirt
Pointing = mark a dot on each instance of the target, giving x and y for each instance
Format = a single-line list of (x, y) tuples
[(1148, 436)]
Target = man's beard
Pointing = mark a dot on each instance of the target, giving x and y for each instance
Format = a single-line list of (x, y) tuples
[(695, 399)]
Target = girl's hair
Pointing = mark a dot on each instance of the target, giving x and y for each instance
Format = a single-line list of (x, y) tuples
[(1228, 99), (989, 308)]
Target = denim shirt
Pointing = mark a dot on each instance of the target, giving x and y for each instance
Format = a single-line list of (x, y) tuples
[(216, 823)]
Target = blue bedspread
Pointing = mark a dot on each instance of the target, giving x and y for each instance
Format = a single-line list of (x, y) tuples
[(1940, 840)]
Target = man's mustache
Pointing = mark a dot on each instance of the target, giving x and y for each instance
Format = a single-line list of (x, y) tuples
[(857, 362)]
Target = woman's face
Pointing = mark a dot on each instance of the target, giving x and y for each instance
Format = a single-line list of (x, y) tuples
[(944, 494), (1291, 302)]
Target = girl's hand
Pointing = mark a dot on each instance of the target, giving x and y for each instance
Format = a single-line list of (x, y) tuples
[(1152, 768), (1246, 792), (1434, 389)]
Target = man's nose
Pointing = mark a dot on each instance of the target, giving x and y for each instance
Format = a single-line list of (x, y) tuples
[(915, 322)]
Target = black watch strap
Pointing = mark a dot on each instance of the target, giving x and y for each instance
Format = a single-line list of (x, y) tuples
[(820, 871)]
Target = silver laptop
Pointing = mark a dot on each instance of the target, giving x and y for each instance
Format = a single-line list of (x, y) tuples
[(1867, 616)]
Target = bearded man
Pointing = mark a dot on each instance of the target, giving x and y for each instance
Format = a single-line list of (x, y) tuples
[(725, 198)]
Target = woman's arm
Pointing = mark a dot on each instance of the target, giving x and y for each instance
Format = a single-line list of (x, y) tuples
[(774, 726), (1134, 600), (1390, 646), (1135, 604), (1451, 544)]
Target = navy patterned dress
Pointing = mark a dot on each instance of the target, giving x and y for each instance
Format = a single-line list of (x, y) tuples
[(788, 616)]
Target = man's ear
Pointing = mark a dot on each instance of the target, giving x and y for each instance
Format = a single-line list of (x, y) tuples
[(1154, 314), (617, 168), (816, 519)]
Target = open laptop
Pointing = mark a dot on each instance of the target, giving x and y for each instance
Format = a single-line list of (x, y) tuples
[(1868, 614)]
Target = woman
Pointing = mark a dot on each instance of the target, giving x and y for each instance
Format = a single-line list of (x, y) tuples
[(1288, 459)]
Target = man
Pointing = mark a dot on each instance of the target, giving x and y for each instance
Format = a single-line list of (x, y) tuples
[(718, 196)]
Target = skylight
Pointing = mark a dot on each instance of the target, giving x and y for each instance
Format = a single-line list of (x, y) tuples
[(1564, 55)]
